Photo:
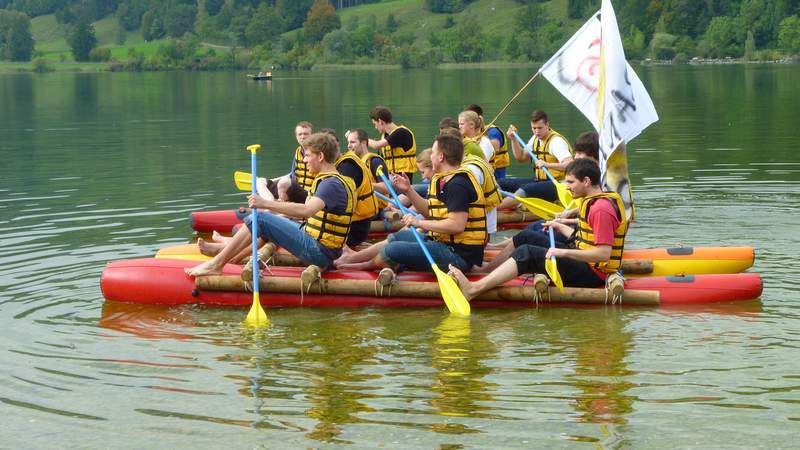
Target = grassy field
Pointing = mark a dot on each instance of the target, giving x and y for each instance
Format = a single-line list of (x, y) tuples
[(51, 42), (495, 16)]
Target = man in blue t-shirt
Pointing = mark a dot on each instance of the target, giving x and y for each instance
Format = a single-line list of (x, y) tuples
[(331, 201)]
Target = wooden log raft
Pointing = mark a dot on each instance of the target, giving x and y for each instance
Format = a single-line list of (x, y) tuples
[(415, 289)]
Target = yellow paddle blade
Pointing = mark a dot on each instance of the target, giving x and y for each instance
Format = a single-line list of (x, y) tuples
[(243, 180), (552, 272), (257, 317), (452, 295), (542, 208), (564, 196)]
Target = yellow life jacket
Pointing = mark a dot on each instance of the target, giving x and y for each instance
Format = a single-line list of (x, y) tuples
[(399, 159), (541, 148), (500, 158), (302, 175), (584, 236), (491, 192), (367, 158), (331, 229), (475, 231), (366, 206)]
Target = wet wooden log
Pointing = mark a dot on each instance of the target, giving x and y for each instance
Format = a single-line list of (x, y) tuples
[(417, 289)]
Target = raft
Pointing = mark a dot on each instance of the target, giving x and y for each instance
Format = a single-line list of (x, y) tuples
[(224, 221), (163, 281), (636, 262)]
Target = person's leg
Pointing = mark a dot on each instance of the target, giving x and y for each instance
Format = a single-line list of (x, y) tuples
[(538, 227), (410, 256), (211, 248), (508, 203), (500, 275), (512, 184), (359, 231), (499, 174), (369, 253), (544, 190), (288, 235), (214, 266)]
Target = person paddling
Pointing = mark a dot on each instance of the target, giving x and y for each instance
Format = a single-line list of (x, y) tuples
[(552, 151), (499, 160), (454, 215), (327, 212), (598, 242)]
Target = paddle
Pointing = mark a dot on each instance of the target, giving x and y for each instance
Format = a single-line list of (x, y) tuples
[(550, 264), (564, 196), (257, 317), (452, 295), (540, 207), (243, 180)]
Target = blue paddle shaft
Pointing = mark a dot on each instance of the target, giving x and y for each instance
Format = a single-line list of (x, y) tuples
[(552, 240), (406, 211), (254, 227), (390, 200), (533, 156)]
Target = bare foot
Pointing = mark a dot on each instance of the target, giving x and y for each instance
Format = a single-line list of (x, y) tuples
[(217, 237), (347, 255), (209, 248), (205, 268), (463, 282)]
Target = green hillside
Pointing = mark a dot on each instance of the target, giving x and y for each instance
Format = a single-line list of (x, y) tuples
[(51, 43)]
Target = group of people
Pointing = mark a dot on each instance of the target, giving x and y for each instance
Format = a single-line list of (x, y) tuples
[(331, 195)]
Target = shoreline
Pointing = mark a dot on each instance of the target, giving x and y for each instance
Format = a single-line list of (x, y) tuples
[(7, 68)]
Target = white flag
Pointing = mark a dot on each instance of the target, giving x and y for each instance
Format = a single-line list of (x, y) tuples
[(590, 70)]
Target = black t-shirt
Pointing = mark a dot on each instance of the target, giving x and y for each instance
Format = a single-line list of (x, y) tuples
[(400, 137), (350, 169), (457, 194)]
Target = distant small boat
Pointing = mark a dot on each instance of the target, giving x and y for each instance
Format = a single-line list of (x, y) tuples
[(260, 76)]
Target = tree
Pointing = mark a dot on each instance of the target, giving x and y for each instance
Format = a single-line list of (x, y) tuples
[(391, 23), (179, 19), (749, 46), (82, 40), (202, 23), (293, 12), (264, 26), (758, 16), (789, 34), (321, 19), (465, 42), (722, 38), (16, 42)]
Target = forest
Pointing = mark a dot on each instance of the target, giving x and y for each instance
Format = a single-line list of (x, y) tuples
[(300, 34)]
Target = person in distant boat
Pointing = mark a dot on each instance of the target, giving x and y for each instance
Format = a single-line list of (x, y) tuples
[(552, 151), (397, 144), (598, 242), (328, 213), (499, 160), (454, 216)]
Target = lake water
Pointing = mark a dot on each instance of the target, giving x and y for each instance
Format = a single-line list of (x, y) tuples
[(100, 167)]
